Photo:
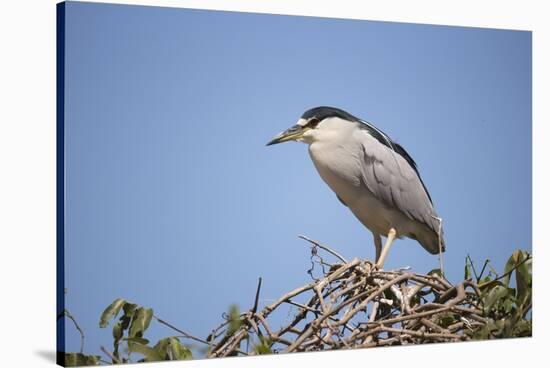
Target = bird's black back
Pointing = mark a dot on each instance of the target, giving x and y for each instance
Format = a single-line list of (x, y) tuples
[(323, 112)]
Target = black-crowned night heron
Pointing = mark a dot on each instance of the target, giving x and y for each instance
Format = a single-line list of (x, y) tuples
[(372, 175)]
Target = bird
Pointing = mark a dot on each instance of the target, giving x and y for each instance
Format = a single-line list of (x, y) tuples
[(372, 175)]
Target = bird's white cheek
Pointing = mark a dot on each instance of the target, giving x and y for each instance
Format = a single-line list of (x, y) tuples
[(308, 137)]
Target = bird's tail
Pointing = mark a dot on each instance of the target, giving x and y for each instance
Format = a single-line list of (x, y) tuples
[(430, 240)]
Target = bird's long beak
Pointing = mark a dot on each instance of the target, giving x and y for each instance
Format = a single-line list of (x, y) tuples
[(291, 134)]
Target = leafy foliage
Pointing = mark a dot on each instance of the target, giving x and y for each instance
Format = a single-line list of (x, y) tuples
[(503, 303), (264, 346), (79, 359), (506, 304), (234, 319), (130, 328), (169, 348)]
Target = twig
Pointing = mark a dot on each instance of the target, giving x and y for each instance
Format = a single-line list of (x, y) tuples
[(110, 355), (505, 274), (421, 334), (255, 308), (66, 313), (185, 334), (324, 247), (478, 278), (353, 304)]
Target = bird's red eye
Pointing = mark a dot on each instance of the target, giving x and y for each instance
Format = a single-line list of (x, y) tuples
[(312, 123)]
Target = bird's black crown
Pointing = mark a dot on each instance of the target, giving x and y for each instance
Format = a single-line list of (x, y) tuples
[(323, 112)]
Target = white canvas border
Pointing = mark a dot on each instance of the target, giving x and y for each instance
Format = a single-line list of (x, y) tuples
[(27, 186)]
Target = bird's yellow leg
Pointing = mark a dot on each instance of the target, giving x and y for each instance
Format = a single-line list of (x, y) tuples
[(377, 245), (391, 236)]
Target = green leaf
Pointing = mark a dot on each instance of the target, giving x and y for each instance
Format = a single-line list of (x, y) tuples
[(522, 329), (485, 264), (170, 348), (137, 340), (499, 327), (129, 309), (509, 303), (78, 360), (150, 354), (505, 305), (117, 331), (234, 320), (125, 321), (436, 271), (161, 348), (523, 275), (140, 322), (486, 279), (467, 269), (523, 278), (482, 333), (110, 312), (494, 296), (510, 264), (177, 350), (446, 320), (264, 347)]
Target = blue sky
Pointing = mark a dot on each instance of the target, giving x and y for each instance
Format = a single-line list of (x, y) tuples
[(174, 202)]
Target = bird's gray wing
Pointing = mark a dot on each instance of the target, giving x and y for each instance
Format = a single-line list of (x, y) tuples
[(395, 182), (341, 200)]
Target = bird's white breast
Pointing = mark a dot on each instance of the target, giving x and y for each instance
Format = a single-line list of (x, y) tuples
[(339, 167), (339, 161), (335, 152)]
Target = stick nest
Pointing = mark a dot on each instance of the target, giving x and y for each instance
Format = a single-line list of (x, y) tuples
[(354, 305)]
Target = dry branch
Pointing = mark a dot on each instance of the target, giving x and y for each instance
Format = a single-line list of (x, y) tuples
[(354, 304)]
